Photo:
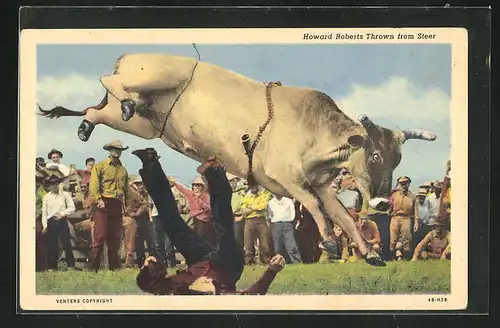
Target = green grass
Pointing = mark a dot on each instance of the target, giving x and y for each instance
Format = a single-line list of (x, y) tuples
[(331, 278)]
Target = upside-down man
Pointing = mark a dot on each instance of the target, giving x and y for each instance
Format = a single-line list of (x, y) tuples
[(211, 270)]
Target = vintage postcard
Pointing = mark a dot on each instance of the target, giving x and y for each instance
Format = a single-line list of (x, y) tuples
[(338, 144)]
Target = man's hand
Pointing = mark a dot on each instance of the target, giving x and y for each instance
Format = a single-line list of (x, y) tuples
[(100, 203), (148, 262), (58, 216), (238, 218), (277, 263), (44, 230), (171, 180), (415, 227)]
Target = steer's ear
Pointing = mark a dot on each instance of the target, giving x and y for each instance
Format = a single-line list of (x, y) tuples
[(356, 141)]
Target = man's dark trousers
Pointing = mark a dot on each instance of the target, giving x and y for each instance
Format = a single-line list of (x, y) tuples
[(193, 247), (383, 221), (164, 249), (58, 229)]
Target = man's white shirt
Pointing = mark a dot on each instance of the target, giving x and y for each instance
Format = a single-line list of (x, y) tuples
[(281, 210), (54, 203)]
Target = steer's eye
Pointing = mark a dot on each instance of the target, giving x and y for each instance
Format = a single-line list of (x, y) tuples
[(377, 158)]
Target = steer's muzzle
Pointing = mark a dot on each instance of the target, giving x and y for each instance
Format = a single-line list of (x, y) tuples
[(128, 109), (85, 130)]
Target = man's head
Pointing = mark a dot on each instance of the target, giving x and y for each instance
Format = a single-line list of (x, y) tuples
[(437, 187), (421, 196), (363, 217), (40, 161), (198, 185), (53, 182), (89, 163), (55, 155), (404, 182), (139, 185), (233, 180), (84, 187), (254, 189), (440, 225), (115, 149)]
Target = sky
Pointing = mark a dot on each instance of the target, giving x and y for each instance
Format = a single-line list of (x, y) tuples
[(401, 86)]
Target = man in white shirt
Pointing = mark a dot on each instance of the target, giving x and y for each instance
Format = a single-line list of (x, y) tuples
[(281, 214), (432, 203), (57, 205), (55, 163)]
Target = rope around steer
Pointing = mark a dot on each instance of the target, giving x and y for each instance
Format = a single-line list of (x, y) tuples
[(262, 128)]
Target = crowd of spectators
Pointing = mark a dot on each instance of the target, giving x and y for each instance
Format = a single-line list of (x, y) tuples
[(102, 216)]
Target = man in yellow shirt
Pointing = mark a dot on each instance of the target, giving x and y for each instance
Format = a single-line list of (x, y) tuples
[(109, 189), (254, 212)]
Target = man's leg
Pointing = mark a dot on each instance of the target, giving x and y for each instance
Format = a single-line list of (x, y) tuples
[(169, 251), (250, 237), (99, 234), (140, 239), (239, 231), (394, 229), (406, 236), (187, 242), (263, 233), (64, 235), (129, 232), (277, 236), (290, 243), (229, 250), (52, 245), (159, 241), (115, 225)]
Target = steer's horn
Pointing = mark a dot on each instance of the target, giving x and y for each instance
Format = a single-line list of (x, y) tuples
[(417, 134)]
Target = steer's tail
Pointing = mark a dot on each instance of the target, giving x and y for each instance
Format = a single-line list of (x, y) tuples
[(59, 111)]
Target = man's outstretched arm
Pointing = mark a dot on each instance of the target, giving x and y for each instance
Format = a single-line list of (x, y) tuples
[(261, 287)]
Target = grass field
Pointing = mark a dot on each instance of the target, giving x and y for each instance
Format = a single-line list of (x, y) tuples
[(331, 278)]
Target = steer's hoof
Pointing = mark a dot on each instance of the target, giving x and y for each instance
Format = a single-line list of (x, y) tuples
[(373, 258), (85, 130), (329, 246), (128, 109)]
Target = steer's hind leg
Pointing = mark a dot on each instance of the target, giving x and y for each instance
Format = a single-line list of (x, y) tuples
[(129, 99)]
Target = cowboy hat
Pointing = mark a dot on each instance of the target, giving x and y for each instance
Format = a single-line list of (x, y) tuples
[(437, 184), (230, 176), (54, 151), (117, 144), (404, 178), (54, 179), (199, 181), (422, 192)]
